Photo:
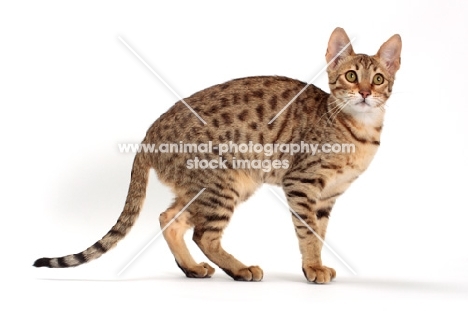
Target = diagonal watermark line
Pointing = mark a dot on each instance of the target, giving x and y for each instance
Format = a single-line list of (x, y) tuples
[(159, 233), (161, 79), (313, 231), (311, 81)]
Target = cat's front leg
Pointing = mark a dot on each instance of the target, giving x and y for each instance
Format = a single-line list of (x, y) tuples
[(310, 218)]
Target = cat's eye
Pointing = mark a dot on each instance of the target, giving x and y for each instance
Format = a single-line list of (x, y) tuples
[(351, 76), (378, 79)]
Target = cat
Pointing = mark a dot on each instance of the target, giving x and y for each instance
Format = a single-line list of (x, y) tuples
[(240, 111)]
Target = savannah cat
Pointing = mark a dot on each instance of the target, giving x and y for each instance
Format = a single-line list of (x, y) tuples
[(240, 111)]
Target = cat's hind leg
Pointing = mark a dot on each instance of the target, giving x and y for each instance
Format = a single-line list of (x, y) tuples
[(174, 235), (215, 208), (208, 238)]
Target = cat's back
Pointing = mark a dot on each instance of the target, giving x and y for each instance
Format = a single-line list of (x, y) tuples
[(243, 104)]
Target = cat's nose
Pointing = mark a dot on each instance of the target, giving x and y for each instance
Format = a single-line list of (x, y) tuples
[(364, 94)]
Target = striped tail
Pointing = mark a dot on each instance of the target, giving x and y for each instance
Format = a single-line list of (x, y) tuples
[(133, 205)]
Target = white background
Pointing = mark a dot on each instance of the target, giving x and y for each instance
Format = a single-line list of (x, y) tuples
[(70, 91)]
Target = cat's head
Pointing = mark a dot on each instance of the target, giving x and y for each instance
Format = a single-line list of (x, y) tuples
[(361, 84)]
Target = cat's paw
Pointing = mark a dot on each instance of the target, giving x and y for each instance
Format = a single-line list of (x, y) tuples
[(319, 274), (202, 270), (252, 273)]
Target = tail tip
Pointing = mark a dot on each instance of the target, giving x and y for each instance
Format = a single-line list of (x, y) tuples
[(42, 262)]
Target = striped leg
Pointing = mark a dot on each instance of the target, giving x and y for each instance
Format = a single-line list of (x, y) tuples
[(303, 197), (174, 236), (209, 240), (215, 211)]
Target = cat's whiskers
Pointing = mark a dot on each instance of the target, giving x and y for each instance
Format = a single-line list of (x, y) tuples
[(333, 109), (383, 105), (340, 106), (334, 116)]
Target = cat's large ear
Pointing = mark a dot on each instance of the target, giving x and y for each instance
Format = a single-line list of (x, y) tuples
[(389, 54), (338, 40)]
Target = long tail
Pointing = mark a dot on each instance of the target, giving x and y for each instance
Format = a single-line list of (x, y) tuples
[(133, 205)]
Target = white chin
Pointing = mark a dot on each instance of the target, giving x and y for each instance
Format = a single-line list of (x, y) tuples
[(366, 114), (362, 108)]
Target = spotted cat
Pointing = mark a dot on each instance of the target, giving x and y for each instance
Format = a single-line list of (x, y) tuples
[(247, 111)]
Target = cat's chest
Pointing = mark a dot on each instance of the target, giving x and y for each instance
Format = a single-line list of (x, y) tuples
[(359, 159), (349, 167)]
